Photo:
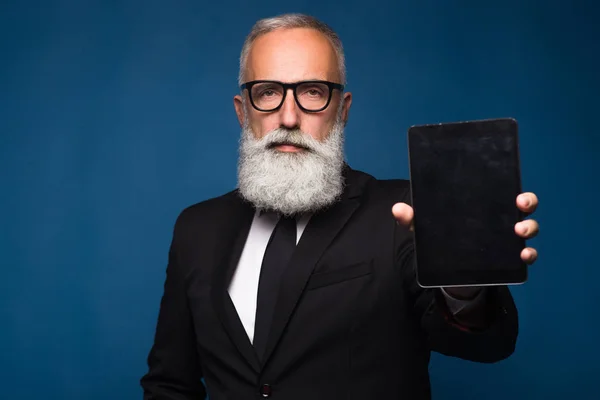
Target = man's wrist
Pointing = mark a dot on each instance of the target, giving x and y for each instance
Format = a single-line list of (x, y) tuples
[(470, 310), (463, 293)]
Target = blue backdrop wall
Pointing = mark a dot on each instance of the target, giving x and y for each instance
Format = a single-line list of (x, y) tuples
[(116, 115)]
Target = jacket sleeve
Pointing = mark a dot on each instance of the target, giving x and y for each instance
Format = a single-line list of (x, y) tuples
[(174, 371), (494, 340)]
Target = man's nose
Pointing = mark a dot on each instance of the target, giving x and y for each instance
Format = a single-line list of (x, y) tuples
[(290, 112)]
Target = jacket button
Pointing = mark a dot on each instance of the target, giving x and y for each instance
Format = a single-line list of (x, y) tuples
[(266, 391)]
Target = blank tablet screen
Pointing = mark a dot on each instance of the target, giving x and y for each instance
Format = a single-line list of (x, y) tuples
[(465, 178)]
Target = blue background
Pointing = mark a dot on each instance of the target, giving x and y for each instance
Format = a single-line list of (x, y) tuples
[(116, 115)]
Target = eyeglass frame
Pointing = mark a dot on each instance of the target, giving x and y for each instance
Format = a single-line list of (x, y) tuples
[(293, 86)]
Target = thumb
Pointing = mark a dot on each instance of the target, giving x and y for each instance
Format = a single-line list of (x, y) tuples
[(404, 214)]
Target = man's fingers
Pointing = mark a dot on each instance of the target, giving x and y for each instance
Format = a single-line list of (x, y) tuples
[(404, 214), (529, 255), (527, 229), (527, 202)]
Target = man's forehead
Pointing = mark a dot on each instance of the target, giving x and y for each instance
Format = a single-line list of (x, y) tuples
[(292, 55)]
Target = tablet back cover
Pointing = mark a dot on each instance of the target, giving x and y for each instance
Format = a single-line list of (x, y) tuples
[(465, 178)]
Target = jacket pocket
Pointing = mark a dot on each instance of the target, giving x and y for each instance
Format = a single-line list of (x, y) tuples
[(353, 271)]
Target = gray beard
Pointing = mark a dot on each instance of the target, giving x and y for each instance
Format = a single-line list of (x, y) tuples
[(291, 183)]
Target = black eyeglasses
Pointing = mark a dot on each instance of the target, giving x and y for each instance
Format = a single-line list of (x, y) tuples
[(311, 96)]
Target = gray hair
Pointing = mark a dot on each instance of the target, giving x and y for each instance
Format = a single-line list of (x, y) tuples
[(290, 21)]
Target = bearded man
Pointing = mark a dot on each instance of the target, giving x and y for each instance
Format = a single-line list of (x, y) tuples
[(300, 283)]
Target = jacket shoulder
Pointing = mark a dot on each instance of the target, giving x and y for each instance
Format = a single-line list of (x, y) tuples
[(210, 205), (206, 212), (395, 190), (393, 185)]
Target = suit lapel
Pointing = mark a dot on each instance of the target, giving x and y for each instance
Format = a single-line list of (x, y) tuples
[(319, 233), (237, 226)]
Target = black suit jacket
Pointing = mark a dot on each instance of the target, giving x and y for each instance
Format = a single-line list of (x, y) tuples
[(351, 321)]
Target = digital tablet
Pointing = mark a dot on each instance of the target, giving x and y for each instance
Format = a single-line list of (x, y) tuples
[(465, 179)]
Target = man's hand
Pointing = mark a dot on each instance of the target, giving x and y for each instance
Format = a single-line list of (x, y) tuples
[(527, 229)]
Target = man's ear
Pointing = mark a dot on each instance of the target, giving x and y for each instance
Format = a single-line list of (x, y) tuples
[(238, 104), (346, 107)]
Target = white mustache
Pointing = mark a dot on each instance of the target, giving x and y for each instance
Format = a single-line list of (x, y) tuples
[(294, 137)]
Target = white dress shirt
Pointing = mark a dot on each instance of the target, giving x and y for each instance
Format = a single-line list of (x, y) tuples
[(243, 288)]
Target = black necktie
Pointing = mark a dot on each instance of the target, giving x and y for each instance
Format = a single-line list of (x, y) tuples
[(277, 255)]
